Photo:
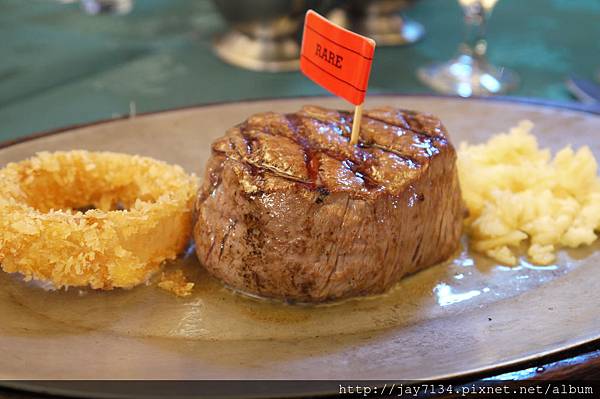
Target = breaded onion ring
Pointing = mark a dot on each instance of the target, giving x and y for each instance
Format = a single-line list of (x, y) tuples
[(44, 235)]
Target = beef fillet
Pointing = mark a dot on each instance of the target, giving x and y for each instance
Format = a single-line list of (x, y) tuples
[(289, 209)]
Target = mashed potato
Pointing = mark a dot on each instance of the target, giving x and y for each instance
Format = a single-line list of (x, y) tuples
[(518, 196)]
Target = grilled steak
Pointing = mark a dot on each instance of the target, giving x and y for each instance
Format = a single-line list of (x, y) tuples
[(289, 209)]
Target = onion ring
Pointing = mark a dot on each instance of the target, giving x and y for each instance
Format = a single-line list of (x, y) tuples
[(44, 234)]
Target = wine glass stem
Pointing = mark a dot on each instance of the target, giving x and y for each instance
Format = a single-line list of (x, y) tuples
[(474, 44)]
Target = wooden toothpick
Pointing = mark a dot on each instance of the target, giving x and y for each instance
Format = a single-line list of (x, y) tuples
[(356, 124)]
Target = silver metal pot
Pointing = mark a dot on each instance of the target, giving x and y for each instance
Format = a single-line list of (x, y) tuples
[(381, 20), (106, 6), (265, 34)]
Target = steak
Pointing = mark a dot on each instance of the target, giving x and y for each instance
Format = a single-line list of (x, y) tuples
[(289, 209)]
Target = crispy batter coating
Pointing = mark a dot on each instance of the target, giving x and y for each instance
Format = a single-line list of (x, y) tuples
[(140, 212), (176, 282)]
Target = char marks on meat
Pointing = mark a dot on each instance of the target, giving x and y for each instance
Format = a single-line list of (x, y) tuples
[(289, 209)]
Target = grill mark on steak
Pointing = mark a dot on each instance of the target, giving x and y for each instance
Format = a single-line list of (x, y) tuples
[(311, 150), (311, 129), (412, 129), (372, 116), (410, 161), (346, 121), (417, 122), (312, 165), (276, 171)]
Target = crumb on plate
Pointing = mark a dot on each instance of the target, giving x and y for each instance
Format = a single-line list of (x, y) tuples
[(176, 282)]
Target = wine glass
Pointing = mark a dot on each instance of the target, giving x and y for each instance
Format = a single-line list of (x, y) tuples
[(469, 73)]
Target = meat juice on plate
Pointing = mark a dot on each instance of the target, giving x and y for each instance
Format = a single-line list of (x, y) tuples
[(215, 312)]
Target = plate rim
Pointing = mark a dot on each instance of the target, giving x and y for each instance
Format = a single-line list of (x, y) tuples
[(575, 349), (566, 105)]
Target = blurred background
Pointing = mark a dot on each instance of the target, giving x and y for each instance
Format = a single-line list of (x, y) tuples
[(69, 62)]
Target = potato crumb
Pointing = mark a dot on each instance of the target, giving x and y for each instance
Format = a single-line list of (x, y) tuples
[(517, 194), (176, 282)]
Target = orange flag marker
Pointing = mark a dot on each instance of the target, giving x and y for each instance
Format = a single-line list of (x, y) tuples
[(338, 60)]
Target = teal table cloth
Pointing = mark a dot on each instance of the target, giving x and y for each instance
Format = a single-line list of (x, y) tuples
[(60, 67)]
